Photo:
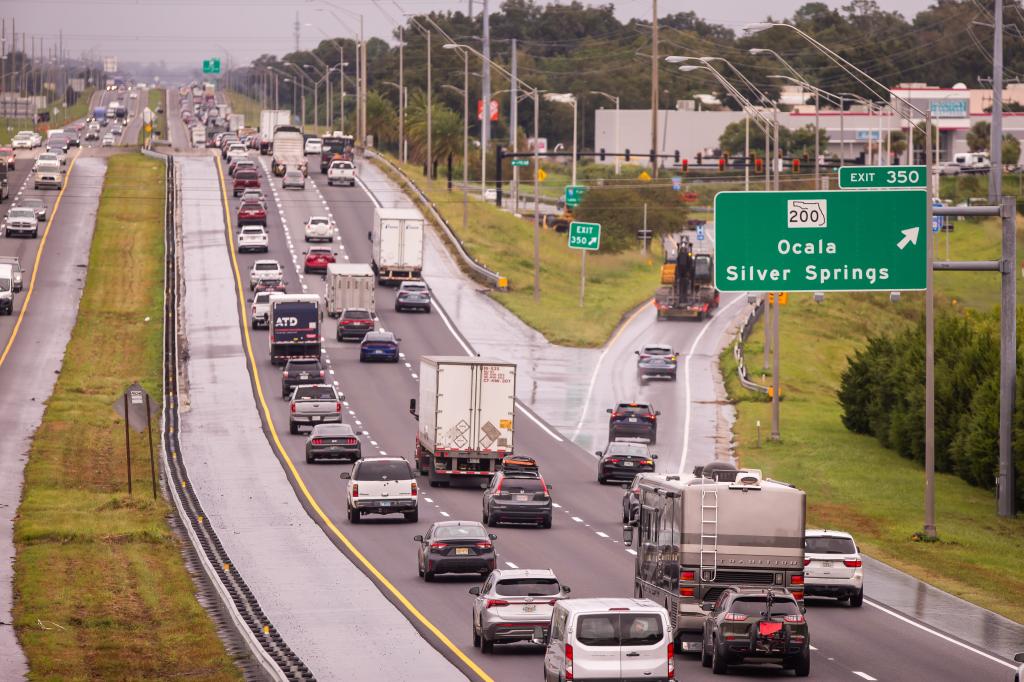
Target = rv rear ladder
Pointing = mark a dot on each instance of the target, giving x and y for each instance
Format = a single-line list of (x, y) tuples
[(708, 534)]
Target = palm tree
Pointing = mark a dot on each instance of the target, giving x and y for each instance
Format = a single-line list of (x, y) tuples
[(381, 119), (447, 129)]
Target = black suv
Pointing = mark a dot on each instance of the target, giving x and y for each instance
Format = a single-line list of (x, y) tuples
[(636, 420), (753, 625), (300, 372), (622, 460)]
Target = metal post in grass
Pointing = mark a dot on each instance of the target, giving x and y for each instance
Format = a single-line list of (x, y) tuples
[(776, 435), (149, 429), (127, 442)]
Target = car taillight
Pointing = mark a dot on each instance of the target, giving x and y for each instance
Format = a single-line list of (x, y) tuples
[(484, 545), (318, 441), (614, 461), (649, 461), (349, 441), (798, 619), (496, 602), (293, 407), (671, 661), (735, 617), (414, 488), (853, 563), (321, 373), (615, 415), (807, 562), (650, 417), (797, 579), (568, 662), (438, 545), (355, 490), (687, 575), (798, 595), (337, 407), (284, 373)]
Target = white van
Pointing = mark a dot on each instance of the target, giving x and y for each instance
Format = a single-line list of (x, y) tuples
[(610, 638), (6, 289)]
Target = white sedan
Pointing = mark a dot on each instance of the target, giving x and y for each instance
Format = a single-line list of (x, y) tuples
[(22, 142), (314, 145), (107, 141), (294, 179), (253, 238), (319, 228)]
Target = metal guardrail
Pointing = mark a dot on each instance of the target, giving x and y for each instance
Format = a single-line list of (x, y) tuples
[(737, 348), (268, 649), (491, 277)]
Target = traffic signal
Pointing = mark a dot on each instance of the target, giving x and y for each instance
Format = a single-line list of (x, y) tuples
[(721, 164), (699, 157), (601, 154), (796, 165), (677, 156), (654, 158), (627, 156), (725, 155), (686, 164), (759, 165)]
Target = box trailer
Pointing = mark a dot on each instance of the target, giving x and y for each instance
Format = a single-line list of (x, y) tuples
[(466, 417), (348, 285), (397, 238)]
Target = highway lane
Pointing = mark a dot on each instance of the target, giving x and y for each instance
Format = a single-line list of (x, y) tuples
[(377, 396)]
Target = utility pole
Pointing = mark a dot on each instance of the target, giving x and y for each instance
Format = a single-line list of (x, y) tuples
[(401, 94), (341, 90), (995, 184), (485, 95), (654, 85), (366, 82), (929, 347), (513, 125), (296, 31), (776, 433)]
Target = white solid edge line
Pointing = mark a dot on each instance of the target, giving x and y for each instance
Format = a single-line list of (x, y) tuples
[(938, 634), (864, 675), (510, 564), (686, 382), (590, 391)]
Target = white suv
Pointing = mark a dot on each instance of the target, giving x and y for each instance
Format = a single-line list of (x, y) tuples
[(382, 485), (264, 269), (253, 238), (319, 228), (833, 566)]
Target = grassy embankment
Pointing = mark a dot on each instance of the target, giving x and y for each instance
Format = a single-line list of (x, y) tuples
[(101, 588), (854, 483), (616, 283), (9, 127)]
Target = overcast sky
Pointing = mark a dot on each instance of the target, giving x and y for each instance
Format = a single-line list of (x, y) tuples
[(184, 32)]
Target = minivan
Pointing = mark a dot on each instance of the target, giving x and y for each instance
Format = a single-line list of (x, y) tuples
[(608, 638)]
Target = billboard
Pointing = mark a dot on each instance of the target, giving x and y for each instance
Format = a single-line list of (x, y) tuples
[(110, 65)]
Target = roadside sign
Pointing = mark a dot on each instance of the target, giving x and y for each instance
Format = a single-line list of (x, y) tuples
[(211, 65), (136, 404), (677, 184), (541, 175), (147, 115), (938, 221), (821, 241), (645, 176), (574, 194), (520, 162), (586, 236), (700, 233), (882, 177)]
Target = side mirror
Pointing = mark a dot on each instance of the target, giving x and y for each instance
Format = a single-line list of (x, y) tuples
[(636, 352), (345, 475), (369, 236), (598, 453), (609, 410), (654, 456), (627, 536), (475, 590), (566, 589), (550, 487), (657, 412), (1019, 658), (412, 407), (492, 536), (707, 606), (417, 538)]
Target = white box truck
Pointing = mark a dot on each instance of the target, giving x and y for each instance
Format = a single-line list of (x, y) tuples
[(270, 119), (348, 285), (397, 238), (199, 135), (466, 417), (236, 122)]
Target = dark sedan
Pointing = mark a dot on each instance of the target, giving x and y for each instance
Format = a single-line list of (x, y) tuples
[(455, 547), (756, 625), (379, 346), (354, 323), (515, 498), (622, 460), (332, 441)]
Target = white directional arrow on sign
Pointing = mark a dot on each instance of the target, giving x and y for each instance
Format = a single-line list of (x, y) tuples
[(909, 237)]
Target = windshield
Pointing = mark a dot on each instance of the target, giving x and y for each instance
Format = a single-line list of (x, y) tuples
[(356, 314), (267, 266), (251, 206), (22, 213), (633, 409), (315, 393), (252, 231), (522, 485), (263, 297), (756, 607), (528, 587), (459, 533), (626, 448), (614, 629), (383, 470), (303, 366), (657, 350), (829, 545), (5, 284)]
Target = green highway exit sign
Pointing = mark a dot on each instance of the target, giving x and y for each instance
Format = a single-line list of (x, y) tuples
[(520, 162), (586, 236), (211, 65), (821, 241), (574, 194), (883, 177)]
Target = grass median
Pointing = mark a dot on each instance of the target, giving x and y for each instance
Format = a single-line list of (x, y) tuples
[(101, 588), (852, 482), (615, 283)]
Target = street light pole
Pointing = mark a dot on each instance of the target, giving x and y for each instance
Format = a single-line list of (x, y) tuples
[(401, 94), (618, 148)]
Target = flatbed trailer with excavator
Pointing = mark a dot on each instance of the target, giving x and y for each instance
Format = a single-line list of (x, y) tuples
[(688, 282)]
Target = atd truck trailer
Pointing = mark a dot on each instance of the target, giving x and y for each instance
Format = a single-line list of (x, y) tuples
[(466, 414)]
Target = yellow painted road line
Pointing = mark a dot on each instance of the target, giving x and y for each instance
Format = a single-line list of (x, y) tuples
[(39, 257), (298, 478)]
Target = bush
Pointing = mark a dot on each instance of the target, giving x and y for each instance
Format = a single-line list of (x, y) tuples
[(620, 211)]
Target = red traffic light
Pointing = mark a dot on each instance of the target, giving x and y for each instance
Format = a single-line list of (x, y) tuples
[(796, 165), (686, 164), (721, 164), (759, 165)]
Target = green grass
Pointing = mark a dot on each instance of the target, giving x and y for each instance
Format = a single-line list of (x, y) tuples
[(616, 283), (972, 240), (9, 127), (852, 482), (101, 589)]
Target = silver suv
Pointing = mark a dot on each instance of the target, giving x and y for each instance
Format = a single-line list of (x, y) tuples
[(512, 603)]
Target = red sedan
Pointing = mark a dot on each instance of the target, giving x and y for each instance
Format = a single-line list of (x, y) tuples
[(252, 213), (318, 258)]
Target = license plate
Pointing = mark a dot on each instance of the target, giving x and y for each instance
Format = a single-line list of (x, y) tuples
[(472, 460), (304, 375), (462, 550), (529, 608), (826, 564), (386, 503), (627, 464), (632, 419), (522, 498), (316, 419), (378, 352)]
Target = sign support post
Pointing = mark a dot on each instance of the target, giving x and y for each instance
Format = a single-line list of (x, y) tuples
[(776, 432), (585, 237), (127, 443), (149, 428)]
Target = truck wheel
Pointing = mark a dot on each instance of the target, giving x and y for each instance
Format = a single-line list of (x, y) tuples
[(434, 484), (413, 516), (294, 429), (353, 515), (858, 599)]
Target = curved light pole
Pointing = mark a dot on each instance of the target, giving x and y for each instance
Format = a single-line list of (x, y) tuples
[(568, 98), (817, 106), (618, 147), (402, 97)]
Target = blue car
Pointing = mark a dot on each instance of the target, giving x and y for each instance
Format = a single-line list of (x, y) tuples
[(379, 346)]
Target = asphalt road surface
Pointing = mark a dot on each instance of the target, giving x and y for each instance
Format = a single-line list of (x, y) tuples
[(583, 547)]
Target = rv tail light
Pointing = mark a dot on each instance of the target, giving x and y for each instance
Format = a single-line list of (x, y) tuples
[(797, 579), (685, 591), (671, 661), (568, 662), (853, 563), (735, 617), (688, 575)]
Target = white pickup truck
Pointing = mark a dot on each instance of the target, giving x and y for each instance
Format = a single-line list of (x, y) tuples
[(341, 173), (314, 404), (382, 485), (261, 310)]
